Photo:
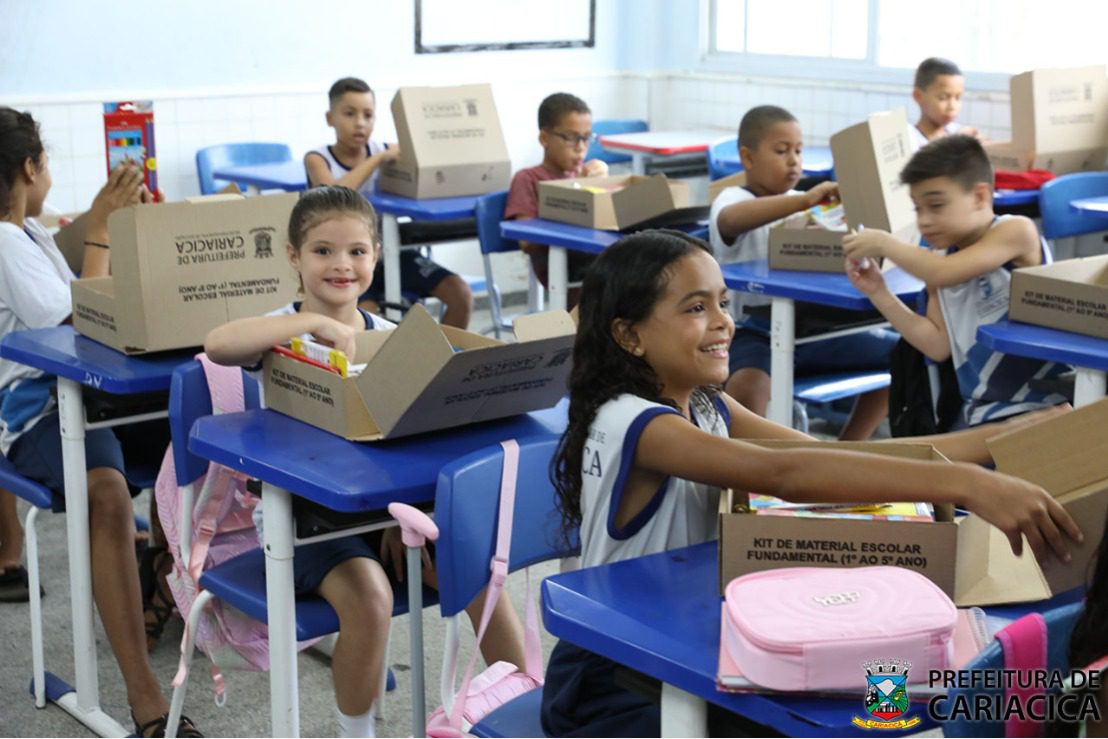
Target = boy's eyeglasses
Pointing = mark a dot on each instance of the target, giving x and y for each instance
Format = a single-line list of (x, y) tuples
[(575, 140)]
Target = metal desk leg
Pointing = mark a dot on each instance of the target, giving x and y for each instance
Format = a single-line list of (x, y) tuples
[(683, 714), (638, 162), (782, 345), (284, 700), (558, 277), (415, 639), (84, 705), (1089, 386), (390, 239)]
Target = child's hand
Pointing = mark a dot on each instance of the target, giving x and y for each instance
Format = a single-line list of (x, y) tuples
[(123, 188), (390, 153), (872, 242), (822, 191), (1019, 508), (594, 168), (864, 275), (335, 334), (145, 196)]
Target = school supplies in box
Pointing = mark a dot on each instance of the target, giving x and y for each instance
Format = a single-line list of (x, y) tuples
[(767, 505), (129, 136), (322, 355), (808, 628)]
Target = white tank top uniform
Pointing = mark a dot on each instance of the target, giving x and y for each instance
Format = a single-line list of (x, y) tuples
[(994, 385), (918, 140), (681, 513), (338, 169)]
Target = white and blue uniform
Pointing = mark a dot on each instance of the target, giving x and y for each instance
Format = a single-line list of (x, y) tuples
[(919, 141), (994, 385), (338, 169)]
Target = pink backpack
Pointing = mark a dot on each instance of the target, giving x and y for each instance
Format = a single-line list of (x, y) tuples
[(501, 682), (808, 628), (219, 528)]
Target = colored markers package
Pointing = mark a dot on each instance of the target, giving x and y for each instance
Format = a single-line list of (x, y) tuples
[(129, 135)]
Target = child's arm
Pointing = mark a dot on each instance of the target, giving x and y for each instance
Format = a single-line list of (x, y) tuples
[(241, 343), (594, 168), (670, 445), (1013, 240), (319, 172), (124, 187), (746, 424), (926, 333), (969, 445), (738, 218)]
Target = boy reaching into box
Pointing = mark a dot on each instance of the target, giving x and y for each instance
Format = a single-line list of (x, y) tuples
[(565, 132), (352, 161), (968, 275), (937, 90), (770, 145)]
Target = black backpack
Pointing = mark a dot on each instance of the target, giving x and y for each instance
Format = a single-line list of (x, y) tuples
[(911, 410)]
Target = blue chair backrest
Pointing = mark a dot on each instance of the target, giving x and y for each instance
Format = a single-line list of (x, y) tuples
[(1059, 626), (608, 127), (489, 212), (229, 155), (1059, 219), (466, 508), (189, 400), (717, 167)]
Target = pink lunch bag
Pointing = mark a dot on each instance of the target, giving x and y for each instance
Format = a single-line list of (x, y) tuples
[(809, 628)]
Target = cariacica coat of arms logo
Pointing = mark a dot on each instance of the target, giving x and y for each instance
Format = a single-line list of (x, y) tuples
[(886, 698)]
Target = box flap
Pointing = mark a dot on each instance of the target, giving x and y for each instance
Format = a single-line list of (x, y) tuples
[(535, 326), (987, 571), (215, 197), (642, 198), (1088, 509), (367, 343), (403, 367), (1062, 453)]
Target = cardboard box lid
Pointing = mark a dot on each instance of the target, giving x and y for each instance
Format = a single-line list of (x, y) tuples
[(443, 126), (1083, 270), (1060, 108), (1062, 454)]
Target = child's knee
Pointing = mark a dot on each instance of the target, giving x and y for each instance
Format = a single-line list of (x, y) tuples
[(108, 496), (454, 291)]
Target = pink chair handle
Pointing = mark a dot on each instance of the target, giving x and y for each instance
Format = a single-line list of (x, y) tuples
[(415, 525)]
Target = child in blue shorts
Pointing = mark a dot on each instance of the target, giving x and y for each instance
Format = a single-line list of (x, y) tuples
[(353, 161), (770, 145)]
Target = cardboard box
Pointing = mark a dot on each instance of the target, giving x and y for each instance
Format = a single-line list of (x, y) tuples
[(869, 157), (1071, 295), (181, 269), (415, 381), (968, 558), (715, 187), (450, 141), (1010, 156), (611, 203)]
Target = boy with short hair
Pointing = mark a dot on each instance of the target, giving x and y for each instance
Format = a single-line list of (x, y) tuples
[(770, 145), (353, 161), (565, 132), (968, 276), (937, 90)]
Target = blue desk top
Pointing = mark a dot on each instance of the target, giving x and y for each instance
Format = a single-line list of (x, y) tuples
[(552, 233), (1097, 206), (1011, 198), (667, 626), (1039, 342), (349, 476), (431, 209), (61, 351), (288, 175), (824, 288)]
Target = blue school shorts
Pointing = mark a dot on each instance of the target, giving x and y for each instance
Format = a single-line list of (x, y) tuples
[(418, 274), (867, 350), (312, 562), (37, 455)]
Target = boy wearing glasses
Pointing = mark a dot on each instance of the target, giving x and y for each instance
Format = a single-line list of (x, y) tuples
[(565, 132)]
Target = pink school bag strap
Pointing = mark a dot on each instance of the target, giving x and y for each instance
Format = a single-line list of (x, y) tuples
[(499, 568), (1024, 643)]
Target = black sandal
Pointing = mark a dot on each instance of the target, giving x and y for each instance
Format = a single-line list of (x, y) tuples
[(157, 599), (185, 727)]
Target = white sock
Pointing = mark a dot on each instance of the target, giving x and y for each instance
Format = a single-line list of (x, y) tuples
[(350, 726)]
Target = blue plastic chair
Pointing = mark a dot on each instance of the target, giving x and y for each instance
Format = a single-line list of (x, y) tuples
[(1059, 219), (229, 155), (608, 127), (239, 582), (820, 391), (466, 503), (1059, 625), (489, 212), (723, 158)]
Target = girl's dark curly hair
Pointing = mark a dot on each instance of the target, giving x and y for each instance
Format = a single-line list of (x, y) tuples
[(624, 282), (19, 141), (1089, 640)]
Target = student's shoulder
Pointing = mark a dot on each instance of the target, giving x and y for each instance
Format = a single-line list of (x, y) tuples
[(730, 195), (1013, 232), (529, 175)]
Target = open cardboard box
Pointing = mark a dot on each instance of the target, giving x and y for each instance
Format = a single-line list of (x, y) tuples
[(181, 269), (612, 203), (1071, 295), (450, 141), (969, 559), (1059, 121), (422, 376)]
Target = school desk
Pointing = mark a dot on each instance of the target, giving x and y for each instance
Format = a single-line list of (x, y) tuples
[(79, 362), (817, 161), (647, 144), (293, 458), (660, 615), (784, 287), (1088, 354), (289, 176), (1097, 206), (1015, 198)]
